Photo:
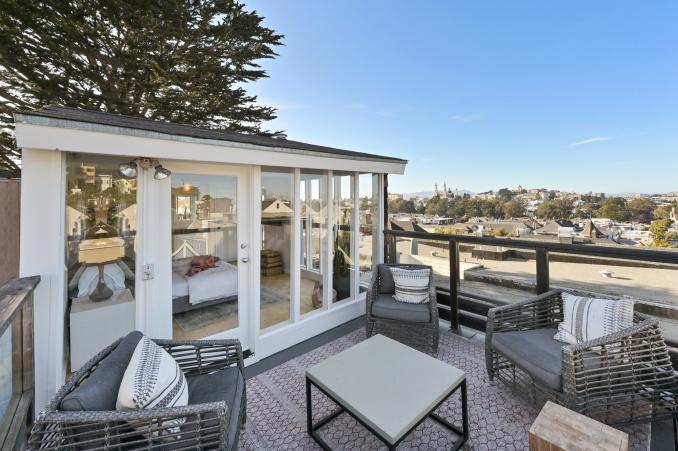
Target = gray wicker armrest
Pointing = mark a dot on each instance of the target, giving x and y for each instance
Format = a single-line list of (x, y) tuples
[(201, 426), (633, 357), (541, 311), (372, 292), (204, 356)]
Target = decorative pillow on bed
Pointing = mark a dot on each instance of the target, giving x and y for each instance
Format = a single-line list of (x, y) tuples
[(411, 285), (201, 263), (153, 379), (585, 318)]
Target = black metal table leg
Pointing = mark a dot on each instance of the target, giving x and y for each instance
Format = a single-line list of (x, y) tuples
[(312, 428)]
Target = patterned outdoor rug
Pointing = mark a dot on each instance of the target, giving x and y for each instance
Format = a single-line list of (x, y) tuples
[(201, 317), (499, 419)]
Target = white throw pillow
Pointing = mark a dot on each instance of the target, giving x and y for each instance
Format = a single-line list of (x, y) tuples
[(152, 379), (411, 285), (586, 318)]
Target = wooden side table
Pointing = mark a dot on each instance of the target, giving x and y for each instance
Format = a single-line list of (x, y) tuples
[(558, 428)]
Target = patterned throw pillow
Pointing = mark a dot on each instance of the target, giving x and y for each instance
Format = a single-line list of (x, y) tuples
[(585, 318), (153, 379), (411, 285)]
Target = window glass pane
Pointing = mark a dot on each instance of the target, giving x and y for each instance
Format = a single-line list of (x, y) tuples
[(204, 255), (369, 220), (343, 261), (6, 370), (313, 238), (101, 220), (277, 212)]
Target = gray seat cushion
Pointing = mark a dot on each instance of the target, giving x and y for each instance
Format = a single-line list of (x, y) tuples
[(535, 351), (387, 284), (223, 385), (387, 307), (100, 390)]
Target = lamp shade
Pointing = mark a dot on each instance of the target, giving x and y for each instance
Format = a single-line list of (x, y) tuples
[(101, 250)]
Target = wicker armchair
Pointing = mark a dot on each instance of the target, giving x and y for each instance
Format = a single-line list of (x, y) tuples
[(412, 324), (206, 425), (622, 378)]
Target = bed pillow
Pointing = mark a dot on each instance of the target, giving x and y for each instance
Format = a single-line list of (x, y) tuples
[(587, 318), (152, 379), (411, 285), (202, 263)]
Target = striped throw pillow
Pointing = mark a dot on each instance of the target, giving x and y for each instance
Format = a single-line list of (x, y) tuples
[(586, 318), (153, 379), (411, 285)]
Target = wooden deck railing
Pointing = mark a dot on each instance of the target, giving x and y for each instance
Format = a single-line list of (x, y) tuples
[(16, 361), (460, 307)]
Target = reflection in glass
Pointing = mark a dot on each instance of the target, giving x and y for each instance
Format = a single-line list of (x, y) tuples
[(343, 260), (101, 218), (204, 255), (369, 220), (313, 238), (6, 371), (277, 210)]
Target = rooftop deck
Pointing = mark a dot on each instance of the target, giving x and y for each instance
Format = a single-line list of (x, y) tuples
[(499, 418)]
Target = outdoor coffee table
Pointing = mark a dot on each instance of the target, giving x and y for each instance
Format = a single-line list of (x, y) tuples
[(388, 387)]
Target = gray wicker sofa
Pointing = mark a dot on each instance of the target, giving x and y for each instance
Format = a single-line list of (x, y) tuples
[(412, 324), (82, 414), (622, 378)]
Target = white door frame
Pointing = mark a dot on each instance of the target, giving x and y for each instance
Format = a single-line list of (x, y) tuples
[(246, 269)]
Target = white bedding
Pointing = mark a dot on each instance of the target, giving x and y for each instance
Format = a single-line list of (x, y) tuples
[(114, 278), (213, 283)]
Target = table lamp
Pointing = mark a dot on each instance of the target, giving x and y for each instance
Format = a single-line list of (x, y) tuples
[(101, 251)]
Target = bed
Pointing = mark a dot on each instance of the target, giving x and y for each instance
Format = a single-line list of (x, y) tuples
[(209, 287)]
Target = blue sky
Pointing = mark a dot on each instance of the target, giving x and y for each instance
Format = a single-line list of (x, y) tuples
[(574, 95)]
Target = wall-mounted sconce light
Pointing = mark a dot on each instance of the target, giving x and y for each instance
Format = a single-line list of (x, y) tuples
[(129, 170)]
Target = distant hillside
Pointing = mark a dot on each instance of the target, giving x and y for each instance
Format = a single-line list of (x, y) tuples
[(430, 193)]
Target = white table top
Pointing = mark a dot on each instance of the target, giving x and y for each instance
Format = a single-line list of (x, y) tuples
[(386, 384)]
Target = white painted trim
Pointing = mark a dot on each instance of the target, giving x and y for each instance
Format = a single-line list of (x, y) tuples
[(164, 147), (355, 242), (42, 241), (329, 243), (295, 255), (380, 221), (255, 257)]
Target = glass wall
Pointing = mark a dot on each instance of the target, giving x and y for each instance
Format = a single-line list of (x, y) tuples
[(204, 255), (101, 220), (313, 239), (343, 258), (277, 212), (369, 227)]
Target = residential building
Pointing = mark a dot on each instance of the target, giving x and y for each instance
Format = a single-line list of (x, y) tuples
[(159, 208)]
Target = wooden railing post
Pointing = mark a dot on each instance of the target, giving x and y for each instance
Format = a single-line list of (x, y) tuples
[(389, 248), (543, 278), (453, 248)]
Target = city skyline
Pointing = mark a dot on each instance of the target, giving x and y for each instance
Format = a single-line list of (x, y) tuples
[(577, 95)]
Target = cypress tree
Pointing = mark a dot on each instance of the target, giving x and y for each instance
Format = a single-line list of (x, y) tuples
[(185, 61)]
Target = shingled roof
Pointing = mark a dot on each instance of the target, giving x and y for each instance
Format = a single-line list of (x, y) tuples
[(168, 128), (591, 231)]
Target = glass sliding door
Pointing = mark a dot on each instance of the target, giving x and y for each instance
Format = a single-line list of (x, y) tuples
[(277, 212), (313, 239), (343, 258), (369, 227), (101, 229)]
